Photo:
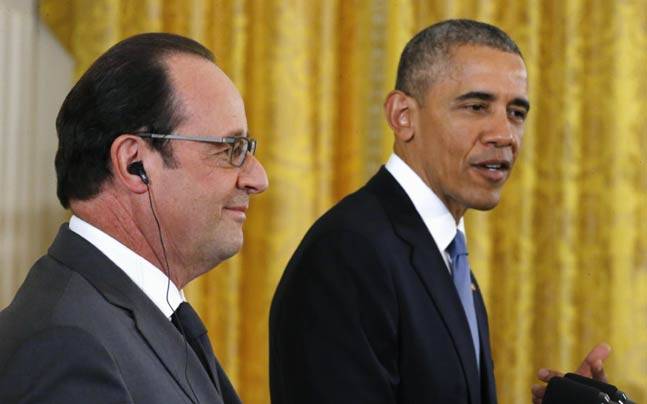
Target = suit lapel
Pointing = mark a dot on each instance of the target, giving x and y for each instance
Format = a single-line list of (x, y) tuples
[(213, 371), (488, 384), (171, 349), (168, 344), (430, 267)]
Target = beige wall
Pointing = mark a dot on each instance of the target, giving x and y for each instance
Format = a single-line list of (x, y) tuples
[(35, 75)]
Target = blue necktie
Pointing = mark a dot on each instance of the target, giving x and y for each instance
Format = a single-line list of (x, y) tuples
[(463, 283)]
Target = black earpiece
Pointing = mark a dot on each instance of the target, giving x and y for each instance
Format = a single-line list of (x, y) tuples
[(137, 168)]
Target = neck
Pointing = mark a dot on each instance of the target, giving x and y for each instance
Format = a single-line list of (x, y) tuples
[(130, 224), (456, 209)]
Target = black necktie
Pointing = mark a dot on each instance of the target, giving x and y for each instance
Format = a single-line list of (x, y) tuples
[(187, 321)]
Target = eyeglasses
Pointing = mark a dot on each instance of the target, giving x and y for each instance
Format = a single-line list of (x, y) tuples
[(240, 145)]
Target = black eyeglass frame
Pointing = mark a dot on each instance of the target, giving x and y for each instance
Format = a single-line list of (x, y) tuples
[(231, 140)]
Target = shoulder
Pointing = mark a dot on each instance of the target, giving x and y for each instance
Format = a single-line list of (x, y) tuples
[(356, 235), (369, 211), (35, 303), (61, 364), (51, 299), (360, 214), (349, 250)]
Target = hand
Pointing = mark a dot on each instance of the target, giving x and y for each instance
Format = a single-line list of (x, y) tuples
[(592, 366)]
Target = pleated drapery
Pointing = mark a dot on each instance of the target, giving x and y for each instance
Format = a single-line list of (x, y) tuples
[(562, 261)]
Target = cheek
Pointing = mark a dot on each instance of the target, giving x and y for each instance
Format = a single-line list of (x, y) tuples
[(455, 150), (519, 140), (219, 192), (200, 201)]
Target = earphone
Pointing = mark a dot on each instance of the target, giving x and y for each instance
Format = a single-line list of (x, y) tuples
[(137, 168)]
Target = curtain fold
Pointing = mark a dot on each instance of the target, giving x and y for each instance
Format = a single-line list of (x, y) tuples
[(562, 261)]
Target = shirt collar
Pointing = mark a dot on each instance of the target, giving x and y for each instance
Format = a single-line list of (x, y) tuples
[(432, 210), (150, 279)]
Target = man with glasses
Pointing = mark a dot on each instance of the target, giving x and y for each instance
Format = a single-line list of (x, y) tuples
[(157, 166)]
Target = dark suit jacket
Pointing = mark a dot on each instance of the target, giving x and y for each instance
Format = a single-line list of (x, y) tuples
[(80, 331), (366, 312)]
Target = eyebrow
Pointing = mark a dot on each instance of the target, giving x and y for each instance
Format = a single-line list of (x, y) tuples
[(481, 95), (239, 133), (522, 102)]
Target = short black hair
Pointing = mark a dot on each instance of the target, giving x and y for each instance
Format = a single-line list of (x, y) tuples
[(431, 47), (126, 90)]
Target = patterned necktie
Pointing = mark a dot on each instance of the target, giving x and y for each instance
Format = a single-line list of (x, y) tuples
[(463, 283), (187, 321)]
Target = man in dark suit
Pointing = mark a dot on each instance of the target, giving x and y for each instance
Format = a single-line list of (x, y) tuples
[(378, 304), (101, 317)]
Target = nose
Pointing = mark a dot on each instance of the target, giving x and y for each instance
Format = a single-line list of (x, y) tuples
[(503, 132), (252, 177)]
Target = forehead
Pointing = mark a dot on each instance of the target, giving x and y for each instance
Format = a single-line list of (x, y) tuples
[(208, 100), (481, 68)]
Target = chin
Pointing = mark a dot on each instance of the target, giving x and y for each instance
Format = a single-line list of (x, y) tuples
[(221, 254), (229, 248), (486, 203), (218, 249)]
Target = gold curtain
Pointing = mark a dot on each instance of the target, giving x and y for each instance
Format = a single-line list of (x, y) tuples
[(562, 260)]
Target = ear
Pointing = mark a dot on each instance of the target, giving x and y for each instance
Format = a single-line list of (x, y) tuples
[(125, 150), (400, 110)]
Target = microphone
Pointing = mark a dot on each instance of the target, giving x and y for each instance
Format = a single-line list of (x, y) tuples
[(613, 392), (561, 390)]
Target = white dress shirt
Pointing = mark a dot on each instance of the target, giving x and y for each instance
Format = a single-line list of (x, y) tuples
[(150, 279), (432, 210)]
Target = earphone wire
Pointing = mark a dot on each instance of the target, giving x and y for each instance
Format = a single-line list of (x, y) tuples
[(168, 301)]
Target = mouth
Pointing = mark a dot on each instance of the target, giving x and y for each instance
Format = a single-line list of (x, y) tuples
[(239, 212), (493, 170), (237, 208)]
